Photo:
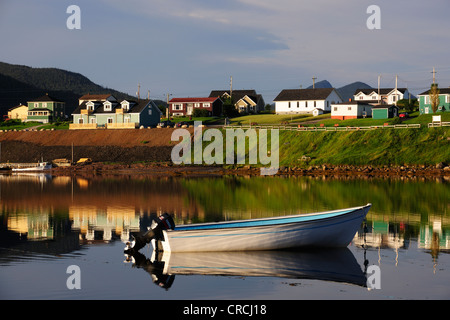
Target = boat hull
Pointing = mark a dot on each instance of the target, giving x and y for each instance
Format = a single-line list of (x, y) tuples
[(327, 229)]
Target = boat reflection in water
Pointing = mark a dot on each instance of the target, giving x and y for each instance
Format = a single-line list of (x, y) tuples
[(337, 265)]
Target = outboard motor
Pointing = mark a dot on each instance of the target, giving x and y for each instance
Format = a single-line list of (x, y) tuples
[(163, 222)]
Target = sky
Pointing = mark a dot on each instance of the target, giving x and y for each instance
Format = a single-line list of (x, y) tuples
[(186, 48)]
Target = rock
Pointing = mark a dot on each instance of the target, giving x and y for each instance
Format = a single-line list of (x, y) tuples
[(440, 165)]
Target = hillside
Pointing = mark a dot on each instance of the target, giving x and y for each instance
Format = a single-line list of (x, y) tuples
[(19, 84)]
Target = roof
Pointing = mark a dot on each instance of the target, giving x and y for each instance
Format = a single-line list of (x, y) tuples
[(135, 106), (353, 102), (384, 106), (237, 94), (304, 94), (95, 96), (441, 91), (382, 90), (193, 100), (46, 98)]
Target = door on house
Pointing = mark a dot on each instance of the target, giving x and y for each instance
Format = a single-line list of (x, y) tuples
[(427, 110), (189, 110)]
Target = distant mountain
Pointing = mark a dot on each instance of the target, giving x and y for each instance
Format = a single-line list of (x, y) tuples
[(347, 92), (321, 84), (19, 84)]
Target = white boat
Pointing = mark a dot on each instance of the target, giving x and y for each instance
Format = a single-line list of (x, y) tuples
[(325, 229), (38, 166)]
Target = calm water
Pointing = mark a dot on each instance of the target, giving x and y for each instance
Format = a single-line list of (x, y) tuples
[(51, 223)]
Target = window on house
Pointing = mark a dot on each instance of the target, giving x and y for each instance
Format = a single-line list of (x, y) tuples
[(177, 106), (298, 104), (289, 104), (427, 99), (80, 120), (447, 98), (314, 104), (108, 107), (36, 105), (110, 120), (349, 108), (150, 111), (196, 105), (335, 108), (306, 104), (206, 105), (374, 97)]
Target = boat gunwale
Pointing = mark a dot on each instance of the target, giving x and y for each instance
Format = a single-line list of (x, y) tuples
[(269, 221)]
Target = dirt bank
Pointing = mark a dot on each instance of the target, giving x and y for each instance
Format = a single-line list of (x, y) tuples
[(125, 146)]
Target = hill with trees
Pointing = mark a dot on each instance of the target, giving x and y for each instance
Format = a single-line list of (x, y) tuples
[(19, 84)]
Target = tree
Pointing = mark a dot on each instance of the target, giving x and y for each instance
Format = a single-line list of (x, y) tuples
[(434, 97)]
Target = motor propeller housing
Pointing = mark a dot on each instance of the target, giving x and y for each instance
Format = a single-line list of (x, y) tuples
[(163, 222)]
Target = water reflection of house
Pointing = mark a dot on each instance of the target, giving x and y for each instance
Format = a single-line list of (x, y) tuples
[(35, 227), (433, 237), (94, 222)]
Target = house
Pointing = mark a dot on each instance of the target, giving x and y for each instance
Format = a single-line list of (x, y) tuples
[(46, 109), (386, 96), (245, 101), (425, 104), (384, 111), (350, 110), (186, 106), (18, 112), (306, 100), (127, 114)]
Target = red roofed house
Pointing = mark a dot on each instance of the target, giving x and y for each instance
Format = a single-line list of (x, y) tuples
[(186, 106)]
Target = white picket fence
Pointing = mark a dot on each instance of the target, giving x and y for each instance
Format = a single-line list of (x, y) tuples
[(322, 128)]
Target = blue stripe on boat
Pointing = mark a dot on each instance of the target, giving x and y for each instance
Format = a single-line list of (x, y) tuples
[(259, 222)]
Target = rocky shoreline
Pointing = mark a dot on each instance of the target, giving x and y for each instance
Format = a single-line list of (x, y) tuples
[(168, 169)]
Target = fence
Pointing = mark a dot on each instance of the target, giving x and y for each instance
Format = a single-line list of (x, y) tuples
[(323, 128)]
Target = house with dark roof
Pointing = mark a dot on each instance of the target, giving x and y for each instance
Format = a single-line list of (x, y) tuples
[(112, 114), (245, 101), (187, 106), (382, 96), (46, 109), (425, 103), (314, 101)]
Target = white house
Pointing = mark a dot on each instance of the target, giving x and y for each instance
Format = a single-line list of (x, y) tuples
[(350, 110), (306, 100), (386, 96)]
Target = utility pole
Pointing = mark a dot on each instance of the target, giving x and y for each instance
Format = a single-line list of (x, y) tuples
[(139, 88), (231, 87), (167, 108), (434, 75), (314, 82), (379, 76), (396, 96)]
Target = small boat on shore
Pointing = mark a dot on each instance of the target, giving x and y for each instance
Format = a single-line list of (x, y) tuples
[(38, 166), (324, 229)]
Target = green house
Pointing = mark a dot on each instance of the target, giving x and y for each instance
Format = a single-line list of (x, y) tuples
[(111, 114), (384, 111), (46, 109), (444, 101)]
